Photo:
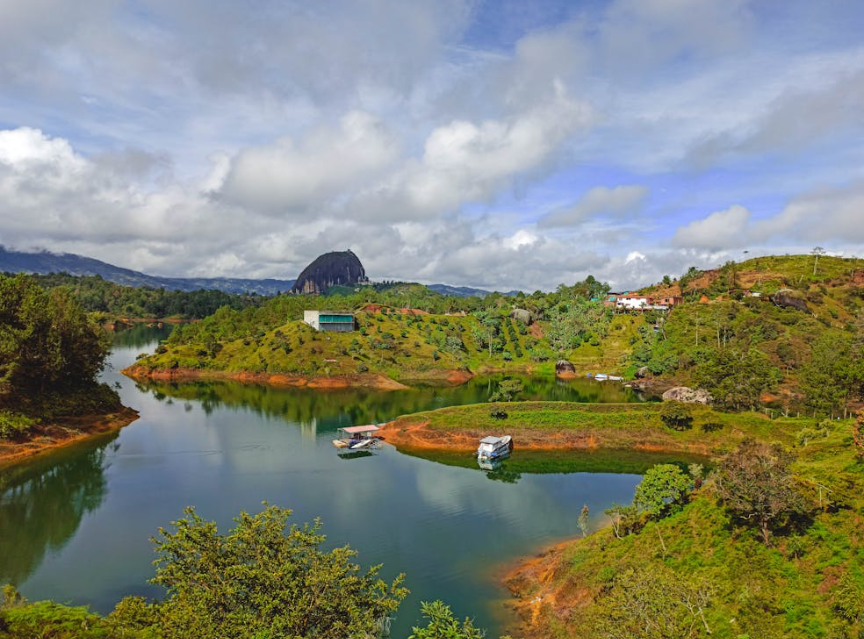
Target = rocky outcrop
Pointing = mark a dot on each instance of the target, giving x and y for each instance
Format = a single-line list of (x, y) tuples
[(563, 368), (339, 268), (643, 372), (784, 299), (521, 315), (688, 395)]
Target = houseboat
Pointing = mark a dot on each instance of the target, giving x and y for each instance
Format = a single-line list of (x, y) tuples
[(495, 447), (357, 437)]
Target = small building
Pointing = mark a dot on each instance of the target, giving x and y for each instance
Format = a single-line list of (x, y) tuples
[(332, 321)]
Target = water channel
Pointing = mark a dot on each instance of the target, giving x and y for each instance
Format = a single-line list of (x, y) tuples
[(75, 527)]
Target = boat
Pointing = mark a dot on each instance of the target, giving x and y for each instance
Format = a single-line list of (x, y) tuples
[(357, 437), (495, 447), (615, 378), (601, 377)]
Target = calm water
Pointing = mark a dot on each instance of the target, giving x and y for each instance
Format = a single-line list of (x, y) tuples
[(75, 527)]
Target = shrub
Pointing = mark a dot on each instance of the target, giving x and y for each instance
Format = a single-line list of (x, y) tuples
[(496, 412), (676, 415), (362, 368)]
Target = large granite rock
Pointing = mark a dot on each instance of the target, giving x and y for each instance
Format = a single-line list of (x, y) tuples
[(564, 368), (331, 269), (784, 299), (688, 395), (521, 315)]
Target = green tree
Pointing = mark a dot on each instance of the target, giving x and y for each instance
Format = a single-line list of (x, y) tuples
[(736, 378), (46, 339), (676, 415), (755, 483), (662, 489), (652, 603), (265, 579), (443, 625)]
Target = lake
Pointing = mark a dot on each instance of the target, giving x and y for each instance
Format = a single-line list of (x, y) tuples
[(74, 527)]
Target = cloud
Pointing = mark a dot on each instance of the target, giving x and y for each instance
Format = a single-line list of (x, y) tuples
[(466, 162), (618, 201), (827, 213), (720, 230), (290, 176)]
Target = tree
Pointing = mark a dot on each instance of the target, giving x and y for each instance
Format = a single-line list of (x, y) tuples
[(817, 252), (46, 340), (583, 520), (443, 625), (263, 579), (833, 372), (625, 519), (755, 483), (662, 488), (858, 436), (736, 378), (676, 415), (651, 604)]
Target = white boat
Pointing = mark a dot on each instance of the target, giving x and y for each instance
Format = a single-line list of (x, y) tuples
[(495, 447), (363, 443), (601, 377), (615, 378)]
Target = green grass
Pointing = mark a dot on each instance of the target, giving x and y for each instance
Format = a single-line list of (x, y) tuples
[(401, 347), (791, 589)]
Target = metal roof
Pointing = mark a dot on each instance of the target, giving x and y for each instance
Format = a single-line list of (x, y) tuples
[(491, 440), (353, 430)]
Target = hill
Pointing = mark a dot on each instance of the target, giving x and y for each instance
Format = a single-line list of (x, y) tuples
[(465, 291), (44, 262)]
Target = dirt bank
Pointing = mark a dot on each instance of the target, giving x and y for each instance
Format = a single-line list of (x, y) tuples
[(537, 592), (414, 436), (377, 382), (49, 437)]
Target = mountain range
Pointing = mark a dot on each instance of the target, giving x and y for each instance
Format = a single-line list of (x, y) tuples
[(44, 262)]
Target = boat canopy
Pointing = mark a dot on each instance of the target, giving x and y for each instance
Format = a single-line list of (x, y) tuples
[(354, 430), (491, 440)]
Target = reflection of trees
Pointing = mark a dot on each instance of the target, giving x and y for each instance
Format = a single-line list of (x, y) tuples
[(42, 507), (141, 335), (332, 409)]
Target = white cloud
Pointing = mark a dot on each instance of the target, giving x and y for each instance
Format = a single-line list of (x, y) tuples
[(720, 230), (618, 201), (289, 176), (465, 162)]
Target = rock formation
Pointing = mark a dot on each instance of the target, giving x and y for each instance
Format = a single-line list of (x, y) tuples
[(688, 395), (521, 315), (339, 268), (785, 299), (563, 368)]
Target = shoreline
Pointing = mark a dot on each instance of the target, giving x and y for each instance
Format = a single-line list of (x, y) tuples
[(372, 381), (48, 438)]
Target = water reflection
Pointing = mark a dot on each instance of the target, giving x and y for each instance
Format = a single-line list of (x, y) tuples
[(326, 411), (42, 506)]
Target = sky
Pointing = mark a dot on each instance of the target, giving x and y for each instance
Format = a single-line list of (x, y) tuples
[(494, 143)]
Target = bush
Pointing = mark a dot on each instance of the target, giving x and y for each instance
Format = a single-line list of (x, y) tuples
[(12, 425), (496, 412), (676, 415), (362, 368)]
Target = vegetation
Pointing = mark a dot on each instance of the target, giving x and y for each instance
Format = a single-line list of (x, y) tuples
[(97, 295), (261, 579), (50, 354), (707, 567)]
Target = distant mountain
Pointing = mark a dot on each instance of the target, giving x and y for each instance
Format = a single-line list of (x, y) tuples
[(464, 291), (45, 262), (339, 268)]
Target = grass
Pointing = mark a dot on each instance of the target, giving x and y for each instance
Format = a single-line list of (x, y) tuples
[(398, 346), (794, 588)]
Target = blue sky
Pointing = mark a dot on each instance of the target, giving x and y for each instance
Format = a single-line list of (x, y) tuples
[(505, 144)]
